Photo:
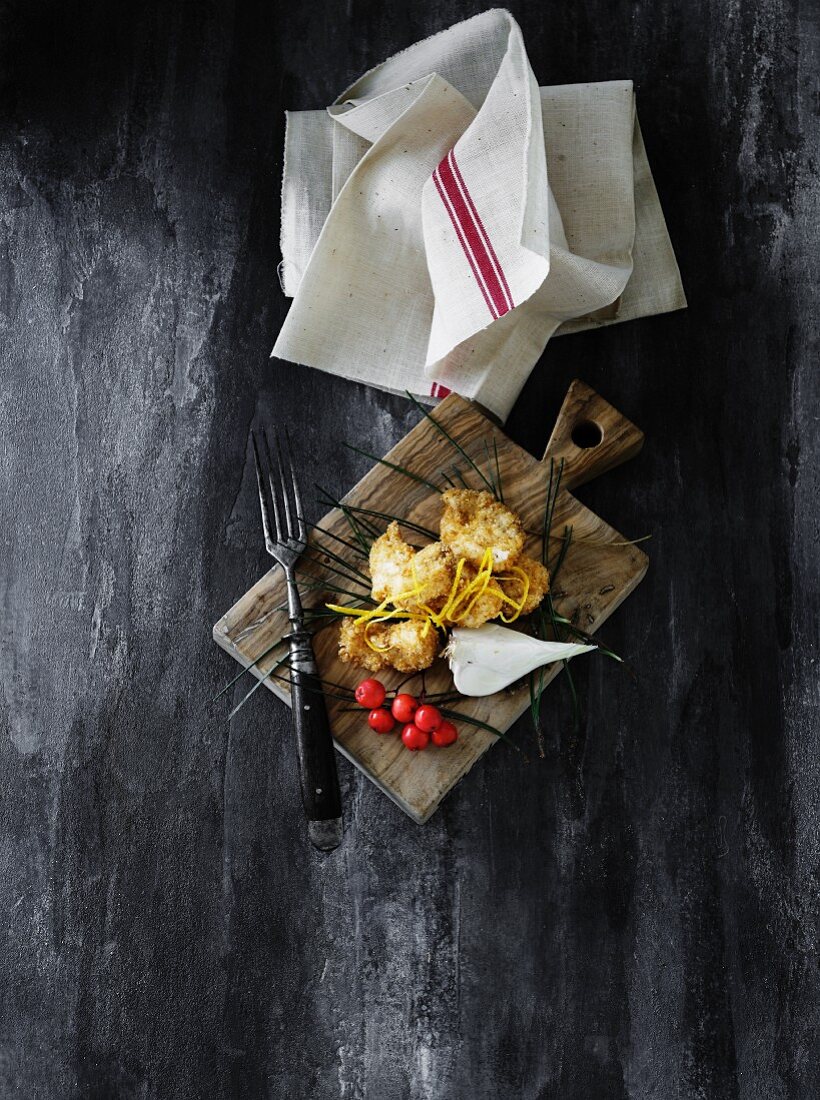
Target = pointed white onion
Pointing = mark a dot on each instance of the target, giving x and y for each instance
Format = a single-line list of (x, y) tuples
[(488, 658)]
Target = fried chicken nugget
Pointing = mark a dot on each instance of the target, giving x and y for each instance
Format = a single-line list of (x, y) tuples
[(473, 521), (479, 608), (433, 569), (390, 558), (354, 650), (539, 579), (407, 646), (396, 568), (412, 645)]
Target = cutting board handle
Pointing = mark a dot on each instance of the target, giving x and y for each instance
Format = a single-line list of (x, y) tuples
[(590, 436)]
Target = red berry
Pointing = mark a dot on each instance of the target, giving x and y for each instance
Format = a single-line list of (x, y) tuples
[(445, 735), (380, 720), (370, 693), (404, 707), (414, 738), (427, 718)]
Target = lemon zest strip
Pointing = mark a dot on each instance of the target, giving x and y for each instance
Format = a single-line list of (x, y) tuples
[(453, 610)]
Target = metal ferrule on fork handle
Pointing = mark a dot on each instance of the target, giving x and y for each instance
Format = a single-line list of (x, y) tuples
[(301, 651)]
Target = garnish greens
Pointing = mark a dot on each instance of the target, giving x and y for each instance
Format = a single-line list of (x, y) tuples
[(546, 623)]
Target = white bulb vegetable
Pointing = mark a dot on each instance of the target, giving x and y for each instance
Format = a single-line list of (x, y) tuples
[(488, 658)]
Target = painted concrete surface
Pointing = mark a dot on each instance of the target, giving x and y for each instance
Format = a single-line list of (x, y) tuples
[(634, 916)]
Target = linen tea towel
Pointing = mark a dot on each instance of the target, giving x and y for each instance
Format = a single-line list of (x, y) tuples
[(446, 216)]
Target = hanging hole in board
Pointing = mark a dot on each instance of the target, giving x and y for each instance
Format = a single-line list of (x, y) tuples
[(587, 434)]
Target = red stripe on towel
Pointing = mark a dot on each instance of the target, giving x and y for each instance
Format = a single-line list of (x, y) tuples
[(448, 206), (472, 236), (480, 224)]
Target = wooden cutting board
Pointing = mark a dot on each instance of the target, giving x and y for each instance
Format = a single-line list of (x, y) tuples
[(599, 572)]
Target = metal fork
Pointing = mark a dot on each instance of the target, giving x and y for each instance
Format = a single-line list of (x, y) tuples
[(285, 541)]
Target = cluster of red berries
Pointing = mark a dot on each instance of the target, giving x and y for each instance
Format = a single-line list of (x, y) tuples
[(421, 722)]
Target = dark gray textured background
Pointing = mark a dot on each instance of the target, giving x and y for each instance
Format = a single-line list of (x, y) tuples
[(636, 916)]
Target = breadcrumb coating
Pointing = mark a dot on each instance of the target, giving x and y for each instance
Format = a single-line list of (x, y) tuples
[(354, 650), (433, 569), (390, 558), (539, 579), (473, 521), (407, 646), (397, 568), (412, 645), (479, 609)]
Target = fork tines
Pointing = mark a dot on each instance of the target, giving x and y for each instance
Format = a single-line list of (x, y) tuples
[(276, 481)]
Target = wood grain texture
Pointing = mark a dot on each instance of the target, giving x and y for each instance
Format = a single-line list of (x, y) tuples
[(633, 918), (599, 572), (590, 437)]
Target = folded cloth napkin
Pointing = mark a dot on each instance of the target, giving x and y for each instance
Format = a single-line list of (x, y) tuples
[(446, 216)]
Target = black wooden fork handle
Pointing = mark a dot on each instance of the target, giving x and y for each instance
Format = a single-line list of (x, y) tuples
[(314, 745)]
